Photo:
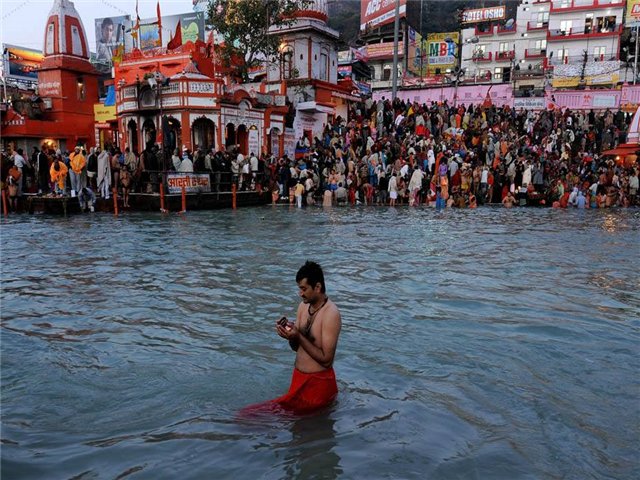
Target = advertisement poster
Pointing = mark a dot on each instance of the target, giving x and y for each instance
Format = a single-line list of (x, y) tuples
[(416, 60), (290, 142), (633, 13), (375, 13), (110, 32), (149, 36), (441, 52), (22, 63)]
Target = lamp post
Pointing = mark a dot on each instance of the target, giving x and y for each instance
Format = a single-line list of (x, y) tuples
[(396, 32)]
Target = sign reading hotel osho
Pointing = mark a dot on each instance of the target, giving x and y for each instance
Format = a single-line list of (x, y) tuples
[(192, 182), (484, 14)]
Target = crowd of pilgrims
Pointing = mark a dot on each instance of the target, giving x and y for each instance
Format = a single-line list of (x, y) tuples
[(388, 153)]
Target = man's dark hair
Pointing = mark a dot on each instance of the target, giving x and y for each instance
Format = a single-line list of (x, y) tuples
[(313, 273), (107, 22)]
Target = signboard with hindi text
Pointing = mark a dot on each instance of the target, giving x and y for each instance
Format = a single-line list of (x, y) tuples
[(529, 103), (192, 182)]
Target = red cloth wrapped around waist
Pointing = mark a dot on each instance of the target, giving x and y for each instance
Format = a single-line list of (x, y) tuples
[(307, 392)]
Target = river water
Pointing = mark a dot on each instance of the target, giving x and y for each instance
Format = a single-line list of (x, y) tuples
[(476, 344)]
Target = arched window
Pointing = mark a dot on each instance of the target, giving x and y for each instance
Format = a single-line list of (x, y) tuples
[(286, 63)]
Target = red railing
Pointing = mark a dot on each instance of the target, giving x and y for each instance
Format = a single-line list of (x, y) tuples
[(560, 6), (505, 56), (482, 57), (503, 29), (535, 53), (489, 31), (576, 33)]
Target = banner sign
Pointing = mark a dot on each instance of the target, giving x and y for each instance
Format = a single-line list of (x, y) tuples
[(375, 13), (192, 27), (103, 114), (441, 52), (193, 182), (383, 50), (290, 143), (529, 103), (21, 63), (633, 13), (416, 61), (484, 14)]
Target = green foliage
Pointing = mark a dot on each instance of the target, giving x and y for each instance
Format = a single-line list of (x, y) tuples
[(244, 24)]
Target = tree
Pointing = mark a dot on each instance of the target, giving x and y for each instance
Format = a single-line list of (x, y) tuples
[(244, 24)]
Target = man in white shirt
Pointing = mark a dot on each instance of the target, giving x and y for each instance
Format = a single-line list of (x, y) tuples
[(20, 162)]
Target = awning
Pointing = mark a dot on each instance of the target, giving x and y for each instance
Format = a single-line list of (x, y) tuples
[(624, 149)]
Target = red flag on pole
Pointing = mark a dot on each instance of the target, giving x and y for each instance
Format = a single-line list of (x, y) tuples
[(176, 41)]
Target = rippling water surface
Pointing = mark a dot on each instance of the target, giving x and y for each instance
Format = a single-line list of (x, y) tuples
[(476, 344)]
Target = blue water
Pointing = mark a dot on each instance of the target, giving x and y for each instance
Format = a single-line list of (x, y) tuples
[(476, 344)]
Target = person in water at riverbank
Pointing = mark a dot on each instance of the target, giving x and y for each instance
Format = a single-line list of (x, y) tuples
[(314, 338)]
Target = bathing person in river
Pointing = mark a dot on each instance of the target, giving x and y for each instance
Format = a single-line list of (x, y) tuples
[(314, 337)]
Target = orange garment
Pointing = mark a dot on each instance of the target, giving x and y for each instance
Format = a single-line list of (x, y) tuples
[(77, 162), (59, 176), (307, 392)]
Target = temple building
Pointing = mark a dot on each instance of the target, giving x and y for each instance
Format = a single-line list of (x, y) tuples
[(179, 95), (61, 114), (306, 70)]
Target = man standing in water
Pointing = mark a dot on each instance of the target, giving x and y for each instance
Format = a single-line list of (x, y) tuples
[(314, 337)]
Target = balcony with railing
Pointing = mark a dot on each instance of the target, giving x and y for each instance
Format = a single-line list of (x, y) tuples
[(562, 6), (505, 56), (503, 29), (487, 30), (534, 72), (578, 33), (535, 53), (533, 26), (482, 57), (579, 59)]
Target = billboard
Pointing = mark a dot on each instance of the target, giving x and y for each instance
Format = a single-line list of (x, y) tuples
[(21, 63), (416, 61), (441, 51), (633, 13), (110, 33), (191, 26), (383, 50), (375, 13), (488, 14)]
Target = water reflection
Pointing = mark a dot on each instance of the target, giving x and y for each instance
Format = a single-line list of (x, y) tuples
[(311, 452), (475, 344)]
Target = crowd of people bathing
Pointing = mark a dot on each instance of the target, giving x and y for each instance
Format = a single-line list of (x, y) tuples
[(389, 153)]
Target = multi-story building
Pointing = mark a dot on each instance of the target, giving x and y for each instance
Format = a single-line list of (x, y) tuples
[(509, 51), (575, 42), (579, 27)]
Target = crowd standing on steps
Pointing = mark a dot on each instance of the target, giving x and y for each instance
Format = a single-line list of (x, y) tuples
[(388, 153)]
